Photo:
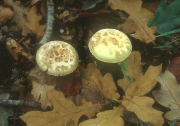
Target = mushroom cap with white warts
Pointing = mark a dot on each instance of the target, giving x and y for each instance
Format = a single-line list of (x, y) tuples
[(110, 45), (57, 58)]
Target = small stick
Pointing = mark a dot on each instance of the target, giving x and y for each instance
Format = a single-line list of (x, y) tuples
[(8, 102), (49, 23)]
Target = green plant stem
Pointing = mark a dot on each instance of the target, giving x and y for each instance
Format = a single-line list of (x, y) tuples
[(123, 66), (173, 122)]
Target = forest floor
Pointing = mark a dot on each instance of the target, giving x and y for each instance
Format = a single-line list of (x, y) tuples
[(96, 93)]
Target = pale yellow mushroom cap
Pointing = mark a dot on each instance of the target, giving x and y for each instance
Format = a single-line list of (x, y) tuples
[(57, 58), (110, 45)]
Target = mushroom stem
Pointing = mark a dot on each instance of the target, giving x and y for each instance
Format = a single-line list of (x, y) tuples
[(123, 66)]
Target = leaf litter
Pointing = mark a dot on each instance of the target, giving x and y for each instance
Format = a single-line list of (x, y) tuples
[(136, 23), (95, 91), (168, 95), (64, 112)]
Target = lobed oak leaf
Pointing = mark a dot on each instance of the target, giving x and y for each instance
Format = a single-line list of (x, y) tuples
[(134, 69), (106, 118), (41, 84), (34, 2), (18, 17), (33, 22), (16, 50), (134, 99), (39, 92), (145, 83), (142, 107), (142, 83), (136, 23), (64, 113), (96, 87), (168, 95), (5, 14), (174, 67)]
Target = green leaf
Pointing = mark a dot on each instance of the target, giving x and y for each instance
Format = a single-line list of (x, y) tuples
[(163, 46), (174, 122), (166, 17), (169, 33)]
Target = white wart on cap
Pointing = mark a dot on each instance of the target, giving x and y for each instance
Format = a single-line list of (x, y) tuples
[(110, 45), (57, 58)]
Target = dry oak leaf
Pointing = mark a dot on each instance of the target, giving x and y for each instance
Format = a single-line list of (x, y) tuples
[(16, 50), (34, 2), (134, 69), (169, 94), (64, 113), (142, 107), (106, 118), (134, 100), (41, 84), (145, 83), (39, 92), (137, 20), (95, 81), (33, 22), (174, 67), (5, 14), (19, 13)]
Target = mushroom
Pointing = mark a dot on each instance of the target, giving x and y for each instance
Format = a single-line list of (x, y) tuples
[(57, 58), (54, 60), (111, 46)]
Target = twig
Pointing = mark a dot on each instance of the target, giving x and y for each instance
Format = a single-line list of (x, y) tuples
[(8, 102), (49, 23)]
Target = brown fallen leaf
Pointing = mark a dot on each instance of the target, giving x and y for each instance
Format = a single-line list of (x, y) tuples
[(134, 69), (39, 92), (134, 99), (142, 107), (5, 14), (174, 67), (33, 22), (141, 84), (106, 118), (41, 84), (169, 95), (71, 85), (151, 5), (136, 23), (177, 123), (64, 113), (98, 88), (144, 84), (15, 49), (19, 13), (34, 2)]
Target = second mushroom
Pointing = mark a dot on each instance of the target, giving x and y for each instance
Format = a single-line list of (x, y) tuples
[(111, 46)]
